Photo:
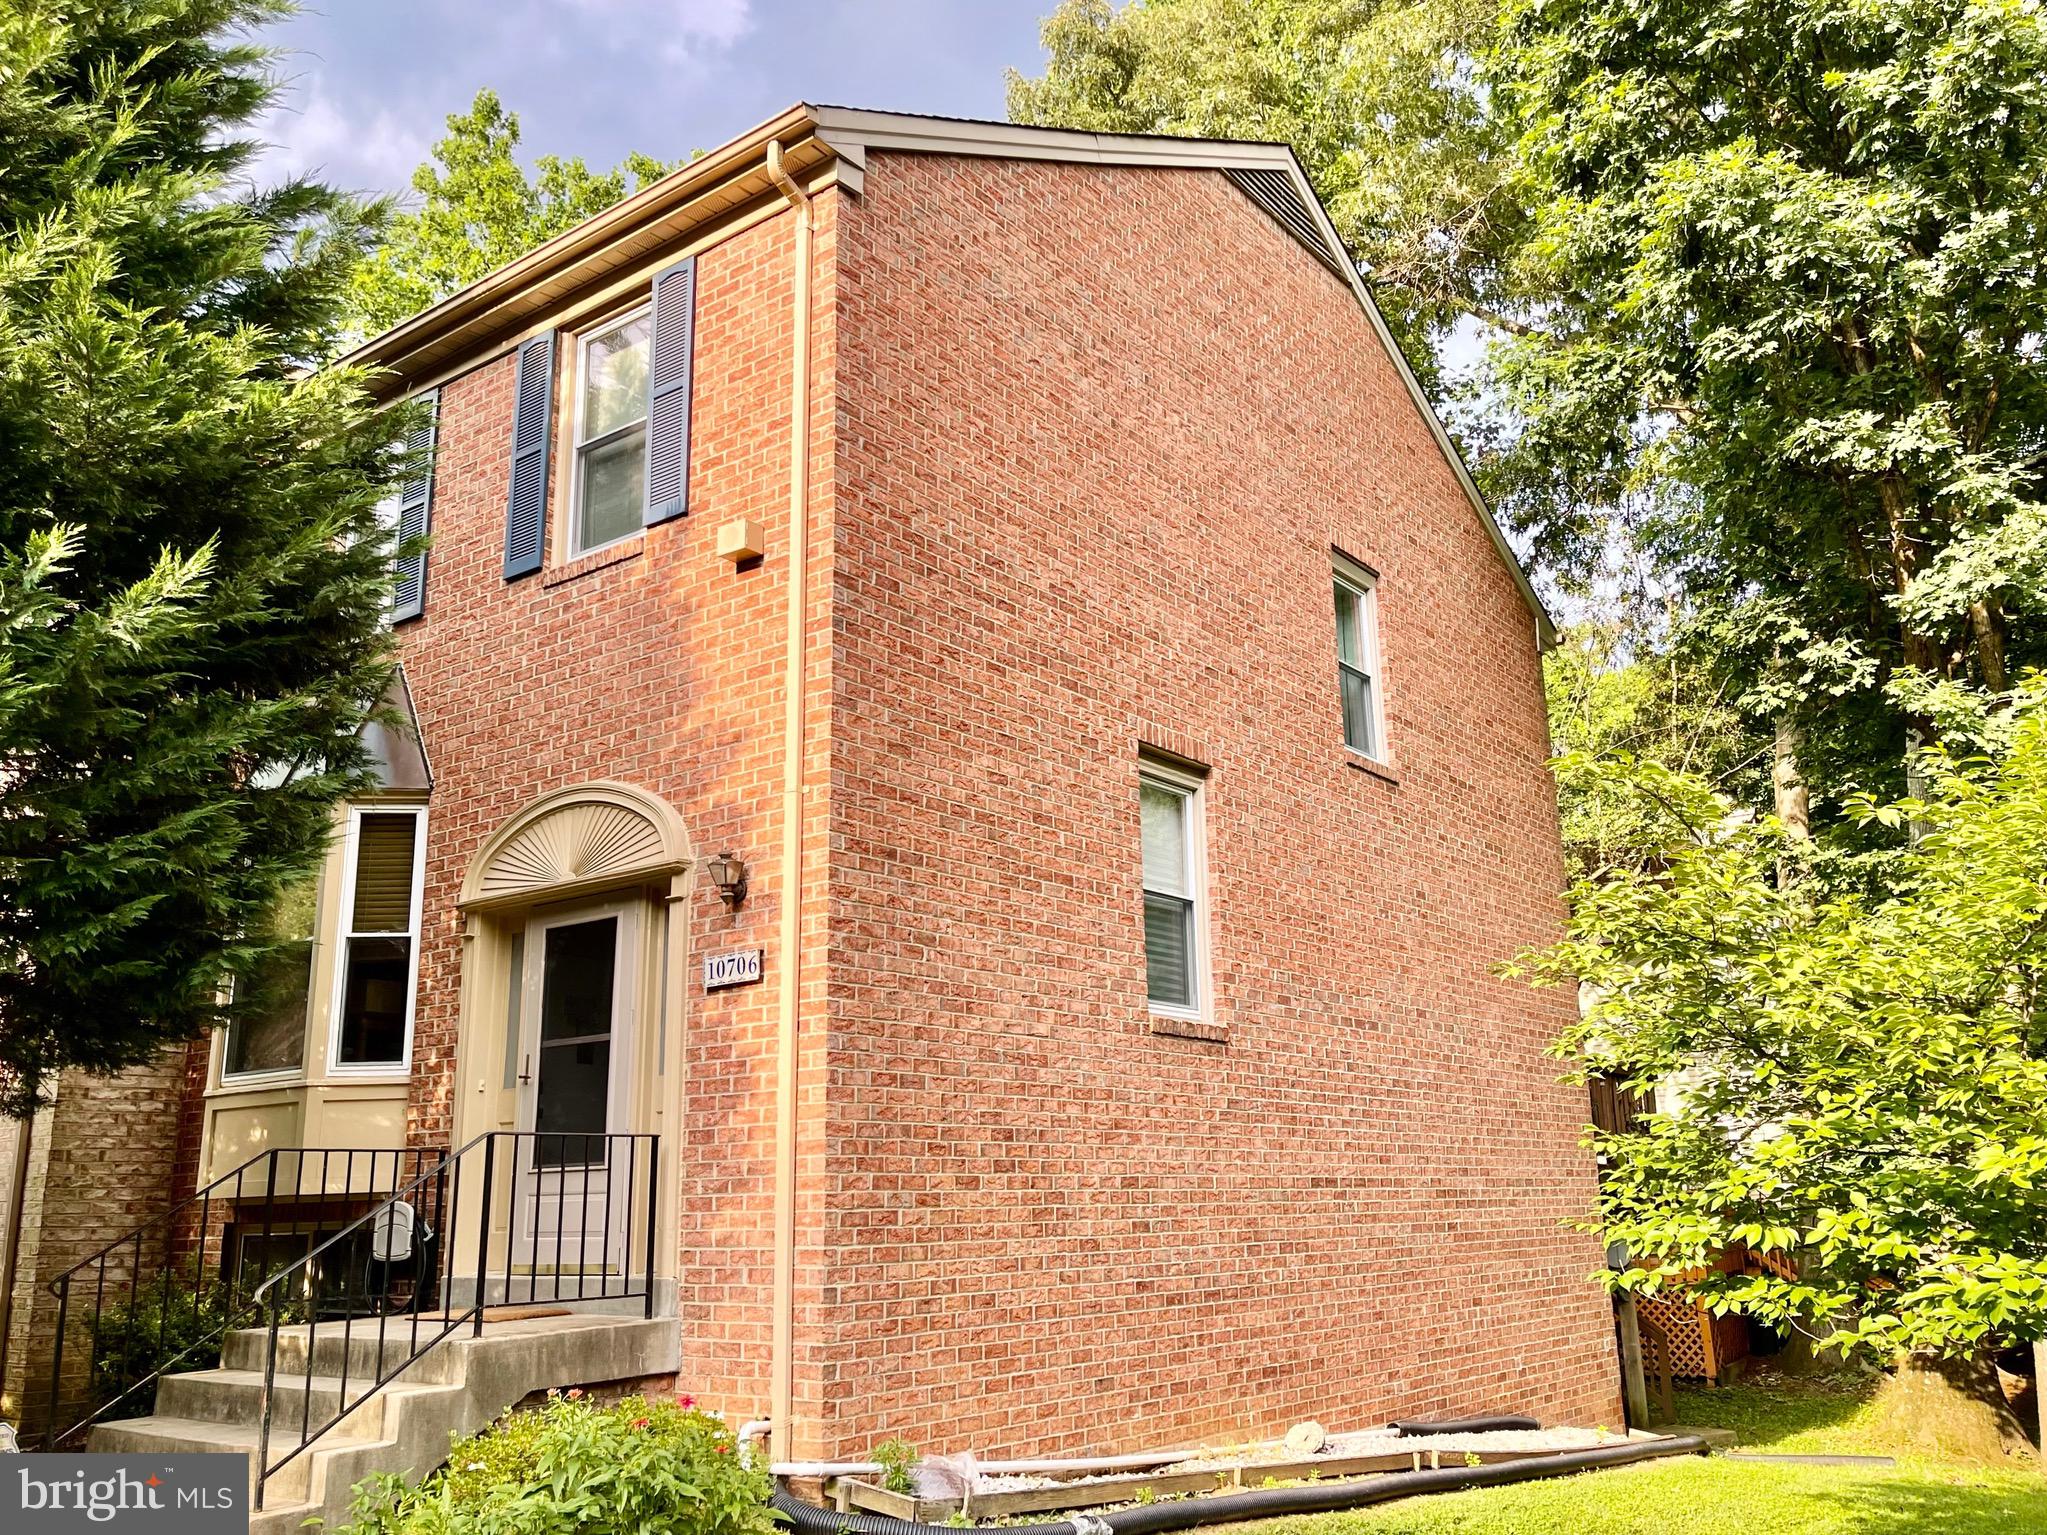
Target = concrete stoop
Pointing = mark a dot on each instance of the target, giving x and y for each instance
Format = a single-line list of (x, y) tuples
[(457, 1387)]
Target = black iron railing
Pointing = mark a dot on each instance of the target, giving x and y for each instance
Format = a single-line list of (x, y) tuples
[(163, 1296), (521, 1218)]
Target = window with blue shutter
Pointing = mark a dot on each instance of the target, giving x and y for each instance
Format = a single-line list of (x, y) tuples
[(532, 423), (415, 514), (668, 391)]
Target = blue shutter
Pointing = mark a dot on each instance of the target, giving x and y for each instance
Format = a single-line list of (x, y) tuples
[(668, 375), (532, 427), (415, 515)]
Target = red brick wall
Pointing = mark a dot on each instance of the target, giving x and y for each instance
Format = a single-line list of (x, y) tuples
[(663, 669), (1101, 429)]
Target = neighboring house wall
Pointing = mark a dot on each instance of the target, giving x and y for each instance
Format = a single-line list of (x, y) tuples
[(658, 664), (1102, 430), (101, 1163)]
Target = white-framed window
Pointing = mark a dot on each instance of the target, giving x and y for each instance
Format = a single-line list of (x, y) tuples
[(1175, 915), (376, 971), (608, 475), (266, 1035), (1357, 659)]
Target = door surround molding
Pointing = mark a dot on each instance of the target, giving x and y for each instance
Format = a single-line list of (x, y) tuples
[(576, 841), (581, 843)]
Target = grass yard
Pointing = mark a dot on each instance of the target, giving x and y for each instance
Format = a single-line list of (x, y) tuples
[(1695, 1496)]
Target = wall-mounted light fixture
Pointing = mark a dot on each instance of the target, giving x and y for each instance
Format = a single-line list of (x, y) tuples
[(728, 873)]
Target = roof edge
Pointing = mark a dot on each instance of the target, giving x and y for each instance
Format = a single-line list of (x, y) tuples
[(855, 130), (847, 134)]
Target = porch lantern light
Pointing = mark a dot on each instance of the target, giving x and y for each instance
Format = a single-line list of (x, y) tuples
[(728, 873)]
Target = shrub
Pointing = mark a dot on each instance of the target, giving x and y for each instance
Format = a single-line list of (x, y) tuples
[(170, 1324), (573, 1465), (898, 1459)]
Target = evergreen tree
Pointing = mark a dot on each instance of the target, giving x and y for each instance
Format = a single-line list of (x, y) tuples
[(192, 572)]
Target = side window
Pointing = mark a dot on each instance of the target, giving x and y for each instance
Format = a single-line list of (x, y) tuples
[(1175, 921), (267, 1032), (1357, 660), (378, 940), (609, 483)]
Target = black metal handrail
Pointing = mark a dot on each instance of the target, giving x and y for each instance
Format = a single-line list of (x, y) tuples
[(527, 1160), (179, 1262)]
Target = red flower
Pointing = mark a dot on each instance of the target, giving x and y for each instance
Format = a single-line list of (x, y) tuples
[(641, 1422), (723, 1448), (684, 1400), (575, 1393)]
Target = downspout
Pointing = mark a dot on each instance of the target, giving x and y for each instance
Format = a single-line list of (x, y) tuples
[(782, 1382)]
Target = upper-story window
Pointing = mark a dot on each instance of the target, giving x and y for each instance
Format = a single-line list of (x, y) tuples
[(378, 943), (610, 471), (1357, 659)]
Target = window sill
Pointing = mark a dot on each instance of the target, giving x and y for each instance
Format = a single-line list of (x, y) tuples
[(257, 1082), (1190, 1028), (611, 554), (1372, 765)]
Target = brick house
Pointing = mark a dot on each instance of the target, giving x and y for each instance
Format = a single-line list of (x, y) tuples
[(1026, 553)]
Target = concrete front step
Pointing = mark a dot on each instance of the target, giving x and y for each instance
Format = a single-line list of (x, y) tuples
[(162, 1434), (457, 1387)]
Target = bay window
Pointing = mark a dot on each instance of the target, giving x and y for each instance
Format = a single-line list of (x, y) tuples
[(377, 945)]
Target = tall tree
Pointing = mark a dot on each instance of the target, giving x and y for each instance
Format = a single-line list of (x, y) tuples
[(1796, 253), (477, 208), (1379, 98), (192, 577), (1864, 1063), (1621, 692)]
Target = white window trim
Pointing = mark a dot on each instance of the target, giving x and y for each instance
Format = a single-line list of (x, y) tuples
[(1195, 787), (579, 354), (1366, 585), (344, 930)]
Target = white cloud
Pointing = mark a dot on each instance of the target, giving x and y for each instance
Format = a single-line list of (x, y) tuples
[(680, 29), (309, 133)]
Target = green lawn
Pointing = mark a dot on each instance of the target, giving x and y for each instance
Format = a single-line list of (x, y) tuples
[(1694, 1496)]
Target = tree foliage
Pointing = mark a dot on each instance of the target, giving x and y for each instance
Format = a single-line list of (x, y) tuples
[(192, 581), (478, 208), (1865, 1071), (1612, 694), (1379, 99), (1795, 253)]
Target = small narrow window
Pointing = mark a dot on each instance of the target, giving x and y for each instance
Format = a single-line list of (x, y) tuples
[(266, 1034), (379, 940), (1170, 808), (1357, 660), (611, 434)]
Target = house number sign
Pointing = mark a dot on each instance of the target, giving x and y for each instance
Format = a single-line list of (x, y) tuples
[(732, 967)]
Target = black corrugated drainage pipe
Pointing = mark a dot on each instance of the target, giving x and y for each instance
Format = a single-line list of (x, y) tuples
[(1412, 1428), (1266, 1502)]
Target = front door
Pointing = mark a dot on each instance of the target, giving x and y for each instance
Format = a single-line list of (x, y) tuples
[(573, 1183)]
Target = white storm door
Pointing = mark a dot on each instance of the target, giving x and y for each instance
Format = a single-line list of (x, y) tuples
[(572, 1180)]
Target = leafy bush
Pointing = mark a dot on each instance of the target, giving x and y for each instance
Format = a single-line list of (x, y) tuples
[(573, 1465), (170, 1325)]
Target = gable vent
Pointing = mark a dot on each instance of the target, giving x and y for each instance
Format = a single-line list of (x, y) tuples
[(1274, 191)]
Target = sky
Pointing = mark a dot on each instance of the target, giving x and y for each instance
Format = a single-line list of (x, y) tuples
[(371, 81)]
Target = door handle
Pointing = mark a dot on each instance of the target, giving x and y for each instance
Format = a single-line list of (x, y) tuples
[(526, 1067)]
